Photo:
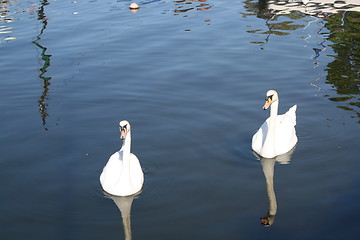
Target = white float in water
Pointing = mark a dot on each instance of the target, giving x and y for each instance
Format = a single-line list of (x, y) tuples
[(134, 6)]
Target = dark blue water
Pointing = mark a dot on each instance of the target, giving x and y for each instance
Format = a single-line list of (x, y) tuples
[(191, 77)]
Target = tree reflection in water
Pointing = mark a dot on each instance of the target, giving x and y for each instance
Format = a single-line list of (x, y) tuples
[(343, 22), (188, 5), (344, 71), (185, 7), (46, 59)]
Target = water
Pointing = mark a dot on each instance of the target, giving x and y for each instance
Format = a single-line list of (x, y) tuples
[(191, 77)]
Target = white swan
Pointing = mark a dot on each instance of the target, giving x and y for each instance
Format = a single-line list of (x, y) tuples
[(277, 134), (122, 175)]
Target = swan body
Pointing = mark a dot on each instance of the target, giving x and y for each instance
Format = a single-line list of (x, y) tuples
[(277, 135), (122, 175)]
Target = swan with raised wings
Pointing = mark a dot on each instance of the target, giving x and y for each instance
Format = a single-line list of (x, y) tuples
[(277, 134), (122, 175)]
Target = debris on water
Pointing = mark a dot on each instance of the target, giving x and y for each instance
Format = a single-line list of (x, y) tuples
[(134, 6)]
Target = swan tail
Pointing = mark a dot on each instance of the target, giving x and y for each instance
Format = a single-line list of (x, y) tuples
[(292, 113)]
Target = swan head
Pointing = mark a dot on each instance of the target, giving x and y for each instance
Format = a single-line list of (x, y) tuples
[(268, 220), (124, 127), (271, 96)]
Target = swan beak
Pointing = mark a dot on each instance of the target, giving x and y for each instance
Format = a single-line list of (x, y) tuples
[(265, 221), (123, 133), (267, 103)]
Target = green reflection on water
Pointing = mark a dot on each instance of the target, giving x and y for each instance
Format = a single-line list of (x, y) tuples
[(344, 71), (46, 63)]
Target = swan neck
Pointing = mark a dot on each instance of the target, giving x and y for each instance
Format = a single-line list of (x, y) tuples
[(124, 205), (126, 146), (268, 150), (125, 214), (127, 227), (274, 109), (268, 169)]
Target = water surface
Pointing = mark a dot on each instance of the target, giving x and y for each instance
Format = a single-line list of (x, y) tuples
[(191, 77)]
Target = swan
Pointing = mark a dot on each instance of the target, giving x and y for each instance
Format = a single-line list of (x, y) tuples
[(277, 134), (122, 175)]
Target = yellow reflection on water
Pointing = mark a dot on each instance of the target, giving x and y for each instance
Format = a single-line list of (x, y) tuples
[(5, 17)]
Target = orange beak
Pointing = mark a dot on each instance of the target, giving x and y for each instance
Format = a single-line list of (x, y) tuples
[(267, 103)]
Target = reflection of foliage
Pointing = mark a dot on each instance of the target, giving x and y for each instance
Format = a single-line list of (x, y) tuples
[(279, 28), (285, 25), (344, 71), (274, 24), (46, 58), (185, 7), (188, 5), (258, 8)]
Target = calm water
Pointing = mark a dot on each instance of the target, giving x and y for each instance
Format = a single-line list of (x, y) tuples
[(191, 77)]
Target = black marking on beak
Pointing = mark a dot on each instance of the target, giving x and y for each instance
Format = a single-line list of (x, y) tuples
[(123, 131), (265, 221), (267, 97), (123, 128)]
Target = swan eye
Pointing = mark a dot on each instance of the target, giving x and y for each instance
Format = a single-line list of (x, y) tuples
[(269, 97), (123, 128)]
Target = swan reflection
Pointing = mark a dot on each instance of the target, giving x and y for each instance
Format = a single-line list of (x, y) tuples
[(268, 165), (124, 204)]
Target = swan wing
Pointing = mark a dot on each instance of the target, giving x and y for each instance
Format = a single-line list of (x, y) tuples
[(259, 137), (136, 173), (110, 173), (285, 137), (291, 113)]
